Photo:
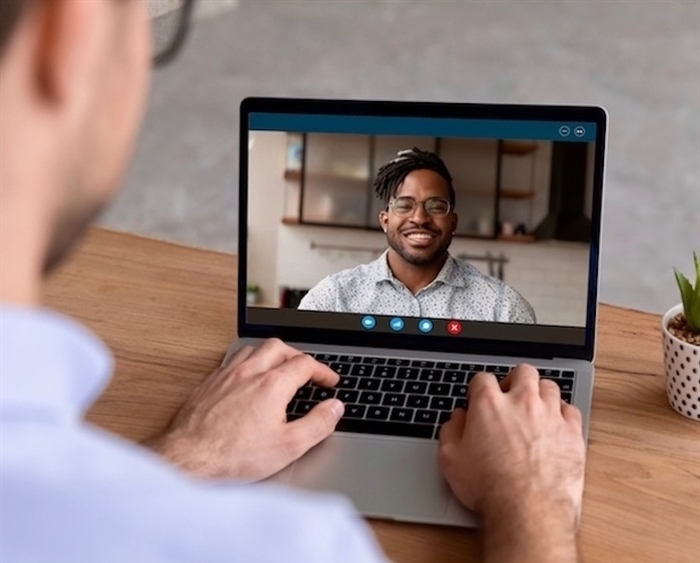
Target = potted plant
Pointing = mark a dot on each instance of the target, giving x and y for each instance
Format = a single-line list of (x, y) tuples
[(252, 294), (681, 332)]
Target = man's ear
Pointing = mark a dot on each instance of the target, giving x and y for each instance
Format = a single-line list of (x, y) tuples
[(455, 220), (69, 33), (383, 219)]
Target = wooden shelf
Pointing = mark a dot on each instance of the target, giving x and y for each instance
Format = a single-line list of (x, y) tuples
[(509, 193), (290, 221), (292, 175), (516, 238), (519, 147)]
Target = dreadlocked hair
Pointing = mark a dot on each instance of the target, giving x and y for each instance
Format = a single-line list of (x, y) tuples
[(391, 175)]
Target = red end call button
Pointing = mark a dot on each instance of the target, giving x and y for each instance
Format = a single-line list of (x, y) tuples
[(454, 327)]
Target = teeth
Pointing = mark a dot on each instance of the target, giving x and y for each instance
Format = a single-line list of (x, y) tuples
[(420, 236)]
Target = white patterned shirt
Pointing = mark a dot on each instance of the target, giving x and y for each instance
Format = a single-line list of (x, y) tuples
[(459, 291)]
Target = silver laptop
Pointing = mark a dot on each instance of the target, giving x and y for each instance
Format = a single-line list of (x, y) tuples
[(527, 196)]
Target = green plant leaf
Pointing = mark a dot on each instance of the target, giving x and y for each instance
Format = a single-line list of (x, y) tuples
[(690, 296)]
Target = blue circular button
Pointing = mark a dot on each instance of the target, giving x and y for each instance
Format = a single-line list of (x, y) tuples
[(396, 324), (425, 325), (369, 322)]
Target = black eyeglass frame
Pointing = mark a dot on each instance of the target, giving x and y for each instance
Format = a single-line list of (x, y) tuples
[(416, 203), (166, 56)]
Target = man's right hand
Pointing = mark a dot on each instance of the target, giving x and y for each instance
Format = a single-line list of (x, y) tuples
[(517, 457)]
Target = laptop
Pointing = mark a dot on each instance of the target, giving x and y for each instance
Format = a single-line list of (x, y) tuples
[(528, 183)]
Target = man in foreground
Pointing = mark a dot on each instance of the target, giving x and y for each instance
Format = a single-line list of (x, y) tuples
[(74, 75), (417, 276)]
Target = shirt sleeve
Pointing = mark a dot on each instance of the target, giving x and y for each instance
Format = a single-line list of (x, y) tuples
[(322, 297), (519, 309)]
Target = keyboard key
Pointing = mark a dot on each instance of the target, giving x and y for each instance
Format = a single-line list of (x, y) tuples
[(348, 396), (455, 377), (415, 387), (385, 372), (303, 407), (350, 359), (361, 370), (354, 411), (370, 398), (374, 361), (369, 384), (442, 403), (378, 413), (471, 375), (418, 401), (472, 367), (422, 364), (291, 417), (322, 393), (566, 385), (567, 374), (497, 369), (548, 372), (407, 373), (461, 404), (439, 389), (430, 375), (401, 415), (326, 358), (459, 391), (347, 382), (398, 362), (304, 392), (426, 417), (385, 428), (341, 369), (444, 416), (392, 385), (447, 365), (394, 400), (566, 397)]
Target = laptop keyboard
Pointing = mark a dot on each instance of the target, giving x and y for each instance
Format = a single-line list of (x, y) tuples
[(401, 397)]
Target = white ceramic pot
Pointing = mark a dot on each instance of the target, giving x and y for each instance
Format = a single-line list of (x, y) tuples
[(682, 362)]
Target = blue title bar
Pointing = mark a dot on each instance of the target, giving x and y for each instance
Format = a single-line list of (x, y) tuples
[(424, 126)]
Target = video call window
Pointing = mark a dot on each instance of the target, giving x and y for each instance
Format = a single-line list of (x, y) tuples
[(517, 231)]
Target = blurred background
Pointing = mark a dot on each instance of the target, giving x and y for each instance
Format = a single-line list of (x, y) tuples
[(639, 59)]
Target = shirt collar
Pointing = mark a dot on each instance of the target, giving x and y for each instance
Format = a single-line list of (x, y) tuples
[(449, 274), (49, 363)]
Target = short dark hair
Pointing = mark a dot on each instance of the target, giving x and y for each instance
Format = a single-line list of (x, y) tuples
[(10, 12), (392, 174)]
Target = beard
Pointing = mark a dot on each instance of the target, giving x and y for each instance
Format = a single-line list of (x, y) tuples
[(417, 257), (70, 227)]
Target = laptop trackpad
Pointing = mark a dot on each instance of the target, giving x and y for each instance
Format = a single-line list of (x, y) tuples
[(383, 476)]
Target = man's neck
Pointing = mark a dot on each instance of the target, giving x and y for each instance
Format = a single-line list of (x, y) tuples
[(413, 277)]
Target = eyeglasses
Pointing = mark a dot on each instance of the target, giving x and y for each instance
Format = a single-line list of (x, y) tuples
[(170, 22), (436, 206)]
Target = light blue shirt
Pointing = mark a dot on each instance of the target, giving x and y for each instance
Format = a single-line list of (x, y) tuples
[(71, 492), (459, 291)]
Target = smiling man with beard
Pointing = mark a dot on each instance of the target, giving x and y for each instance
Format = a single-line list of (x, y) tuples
[(417, 276)]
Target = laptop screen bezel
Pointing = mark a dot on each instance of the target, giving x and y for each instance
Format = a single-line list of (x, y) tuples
[(461, 345)]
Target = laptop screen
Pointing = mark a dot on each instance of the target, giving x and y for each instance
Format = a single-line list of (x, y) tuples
[(442, 226)]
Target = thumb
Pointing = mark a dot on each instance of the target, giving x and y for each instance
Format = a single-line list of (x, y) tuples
[(315, 426)]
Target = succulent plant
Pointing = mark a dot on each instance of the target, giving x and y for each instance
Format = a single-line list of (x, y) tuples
[(690, 296)]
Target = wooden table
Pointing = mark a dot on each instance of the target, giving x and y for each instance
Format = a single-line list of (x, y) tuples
[(168, 314)]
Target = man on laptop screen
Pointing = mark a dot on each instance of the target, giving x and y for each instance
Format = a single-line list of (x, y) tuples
[(417, 276)]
